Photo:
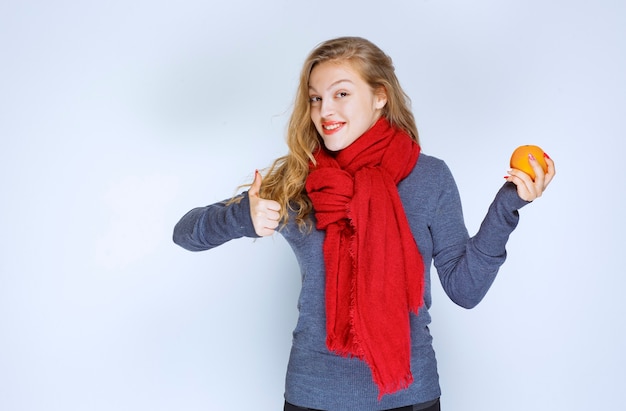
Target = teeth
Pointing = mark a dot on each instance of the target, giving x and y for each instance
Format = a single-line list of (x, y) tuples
[(332, 126)]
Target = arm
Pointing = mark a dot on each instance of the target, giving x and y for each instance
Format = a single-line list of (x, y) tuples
[(207, 227), (249, 215), (468, 266)]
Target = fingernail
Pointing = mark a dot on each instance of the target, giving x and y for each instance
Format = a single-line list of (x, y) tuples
[(530, 156), (546, 155)]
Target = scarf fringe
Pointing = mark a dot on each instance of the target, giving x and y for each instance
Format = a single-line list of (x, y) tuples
[(390, 388), (355, 350)]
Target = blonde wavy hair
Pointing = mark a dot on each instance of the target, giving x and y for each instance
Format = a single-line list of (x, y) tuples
[(286, 177)]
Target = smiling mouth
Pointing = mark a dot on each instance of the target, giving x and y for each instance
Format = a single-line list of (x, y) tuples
[(332, 127)]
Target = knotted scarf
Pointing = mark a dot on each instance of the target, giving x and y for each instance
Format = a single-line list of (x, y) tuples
[(374, 271)]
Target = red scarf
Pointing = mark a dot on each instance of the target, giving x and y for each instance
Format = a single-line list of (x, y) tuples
[(374, 271)]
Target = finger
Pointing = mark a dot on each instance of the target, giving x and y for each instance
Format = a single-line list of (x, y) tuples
[(523, 182), (522, 177), (266, 232), (267, 207), (551, 170), (271, 224), (539, 172), (255, 188), (273, 206), (272, 215), (268, 228), (540, 175)]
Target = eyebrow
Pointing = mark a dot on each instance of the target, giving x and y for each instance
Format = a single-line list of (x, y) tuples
[(333, 84)]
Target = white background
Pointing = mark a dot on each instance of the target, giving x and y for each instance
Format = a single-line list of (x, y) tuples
[(117, 117)]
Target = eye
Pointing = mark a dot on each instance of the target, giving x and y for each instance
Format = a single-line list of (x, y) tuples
[(342, 94), (314, 99)]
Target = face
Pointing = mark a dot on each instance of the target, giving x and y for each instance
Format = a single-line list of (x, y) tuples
[(343, 105)]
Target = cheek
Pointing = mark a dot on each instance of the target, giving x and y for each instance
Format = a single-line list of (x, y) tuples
[(315, 119), (314, 114)]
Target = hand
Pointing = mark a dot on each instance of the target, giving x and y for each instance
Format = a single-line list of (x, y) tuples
[(528, 189), (265, 213)]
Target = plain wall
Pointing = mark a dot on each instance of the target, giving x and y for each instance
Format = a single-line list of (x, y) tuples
[(118, 117)]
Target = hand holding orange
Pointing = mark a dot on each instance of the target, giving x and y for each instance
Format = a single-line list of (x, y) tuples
[(520, 160)]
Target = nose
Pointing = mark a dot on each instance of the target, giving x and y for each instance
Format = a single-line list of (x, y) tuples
[(327, 107)]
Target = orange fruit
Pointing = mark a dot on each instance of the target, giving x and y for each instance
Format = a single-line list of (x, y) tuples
[(520, 161)]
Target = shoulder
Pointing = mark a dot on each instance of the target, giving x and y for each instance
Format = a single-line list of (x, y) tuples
[(429, 171), (428, 182), (429, 187), (428, 163)]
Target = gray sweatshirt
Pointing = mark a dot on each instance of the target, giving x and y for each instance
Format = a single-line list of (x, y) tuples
[(319, 379)]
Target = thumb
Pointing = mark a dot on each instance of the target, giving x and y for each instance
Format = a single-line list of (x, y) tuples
[(255, 188)]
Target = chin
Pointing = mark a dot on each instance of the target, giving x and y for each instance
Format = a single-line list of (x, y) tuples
[(333, 147)]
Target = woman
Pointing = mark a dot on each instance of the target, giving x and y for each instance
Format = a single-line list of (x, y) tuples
[(365, 213)]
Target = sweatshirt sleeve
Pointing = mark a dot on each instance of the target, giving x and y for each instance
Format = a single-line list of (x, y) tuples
[(207, 227), (468, 266)]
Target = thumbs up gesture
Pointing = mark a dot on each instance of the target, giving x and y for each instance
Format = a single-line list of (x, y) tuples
[(265, 213)]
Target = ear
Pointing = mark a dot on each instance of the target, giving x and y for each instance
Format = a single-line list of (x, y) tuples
[(381, 98)]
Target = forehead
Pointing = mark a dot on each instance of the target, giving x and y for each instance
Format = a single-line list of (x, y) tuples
[(329, 72)]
